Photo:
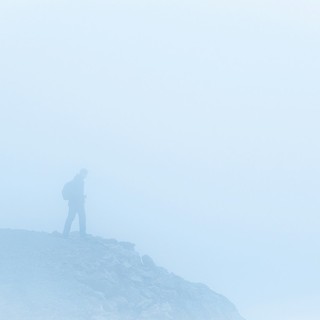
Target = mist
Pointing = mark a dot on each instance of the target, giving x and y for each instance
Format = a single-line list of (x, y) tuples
[(198, 124)]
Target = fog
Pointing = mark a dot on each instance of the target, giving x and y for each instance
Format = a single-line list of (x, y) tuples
[(198, 123)]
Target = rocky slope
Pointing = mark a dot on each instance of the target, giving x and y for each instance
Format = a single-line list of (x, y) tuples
[(43, 276)]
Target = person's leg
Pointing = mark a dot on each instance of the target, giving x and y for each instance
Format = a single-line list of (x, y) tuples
[(82, 221), (70, 218)]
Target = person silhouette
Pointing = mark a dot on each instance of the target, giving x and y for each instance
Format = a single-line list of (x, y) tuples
[(73, 191)]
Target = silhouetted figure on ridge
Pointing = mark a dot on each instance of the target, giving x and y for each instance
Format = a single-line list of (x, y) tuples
[(73, 191)]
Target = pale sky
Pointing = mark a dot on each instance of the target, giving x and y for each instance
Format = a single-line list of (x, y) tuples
[(199, 124)]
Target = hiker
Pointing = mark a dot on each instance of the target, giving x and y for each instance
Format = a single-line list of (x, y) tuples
[(73, 192)]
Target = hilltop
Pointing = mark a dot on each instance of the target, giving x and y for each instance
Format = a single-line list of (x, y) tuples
[(43, 276)]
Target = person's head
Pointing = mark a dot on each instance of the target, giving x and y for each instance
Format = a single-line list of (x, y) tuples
[(83, 173)]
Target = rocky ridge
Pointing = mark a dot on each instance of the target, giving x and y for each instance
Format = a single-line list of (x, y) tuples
[(43, 276)]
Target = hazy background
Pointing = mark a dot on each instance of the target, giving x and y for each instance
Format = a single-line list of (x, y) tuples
[(198, 122)]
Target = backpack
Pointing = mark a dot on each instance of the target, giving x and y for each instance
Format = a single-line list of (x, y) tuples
[(67, 191)]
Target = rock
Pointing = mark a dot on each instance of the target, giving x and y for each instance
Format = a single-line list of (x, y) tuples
[(47, 277)]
